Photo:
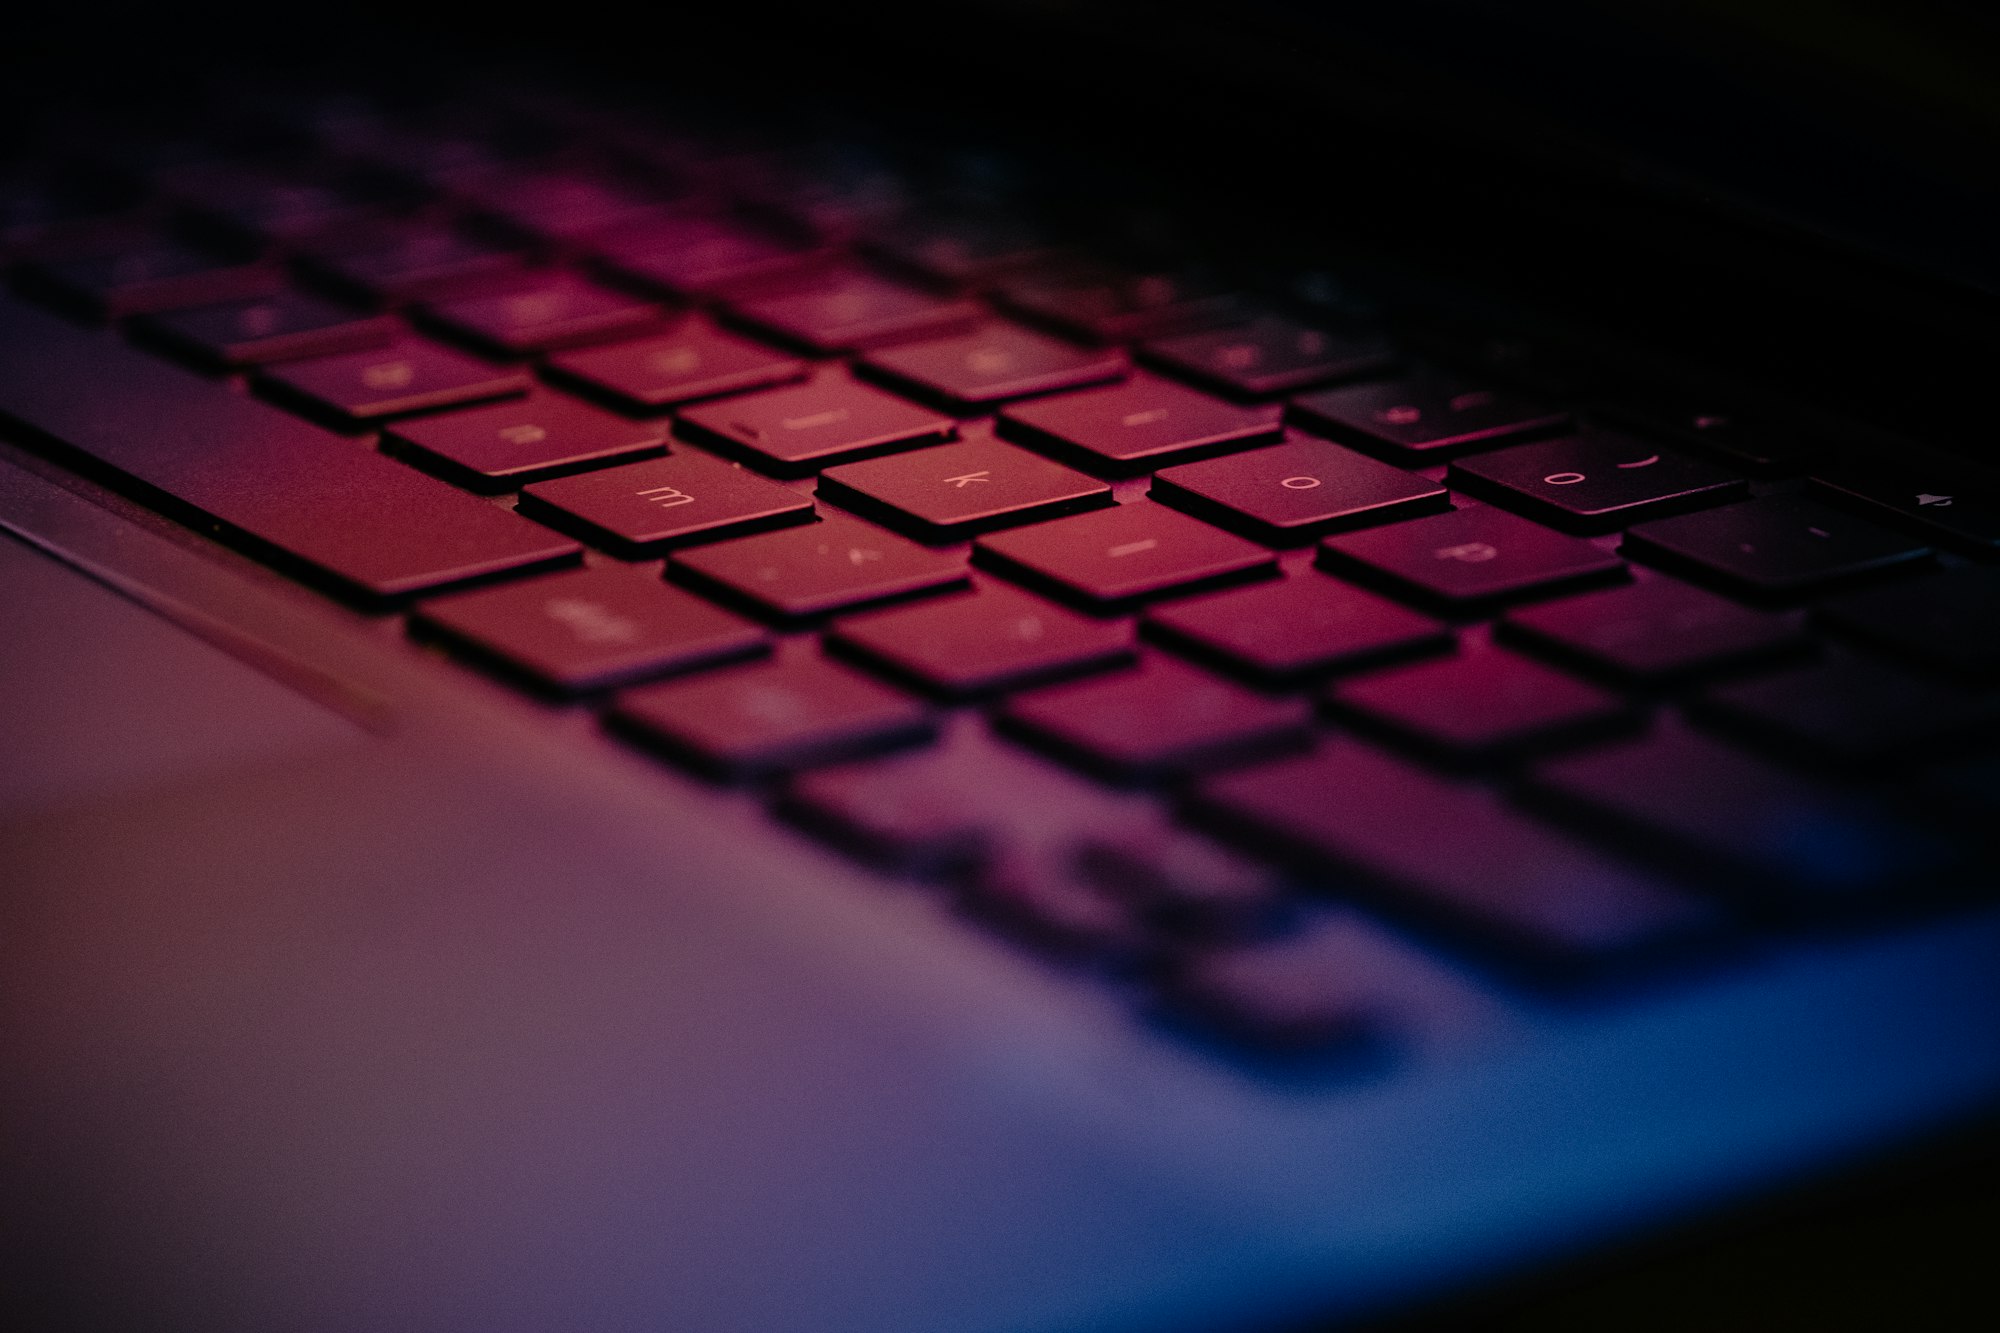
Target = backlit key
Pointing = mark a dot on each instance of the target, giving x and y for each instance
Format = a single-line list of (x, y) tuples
[(643, 508), (952, 491), (1595, 482), (409, 377), (542, 435), (1776, 545), (1114, 558), (848, 309), (1425, 416), (991, 365), (838, 564), (282, 327), (559, 312), (1270, 357), (1469, 557), (1656, 629), (1290, 493), (1481, 705), (1136, 426), (1292, 629), (693, 362), (992, 638), (794, 432)]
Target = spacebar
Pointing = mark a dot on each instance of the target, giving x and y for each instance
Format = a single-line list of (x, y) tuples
[(328, 508)]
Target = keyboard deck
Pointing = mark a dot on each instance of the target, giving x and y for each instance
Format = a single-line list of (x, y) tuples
[(860, 482)]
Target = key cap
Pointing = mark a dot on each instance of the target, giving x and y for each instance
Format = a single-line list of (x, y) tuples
[(1158, 720), (1949, 621), (358, 387), (1113, 559), (398, 264), (693, 362), (837, 564), (147, 279), (259, 208), (953, 491), (755, 721), (979, 643), (844, 310), (1759, 448), (1854, 711), (1452, 851), (961, 251), (564, 208), (1595, 482), (1775, 546), (1291, 493), (1424, 418), (1293, 629), (1136, 426), (590, 629), (1484, 705), (373, 528), (1039, 900), (1270, 356), (560, 311), (794, 432), (696, 256), (1788, 838), (907, 813), (497, 448), (1304, 992), (1181, 883), (1656, 630), (1951, 506), (1109, 306), (1470, 558), (988, 366), (642, 509), (282, 327)]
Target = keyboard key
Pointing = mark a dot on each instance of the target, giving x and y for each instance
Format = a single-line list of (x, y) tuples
[(838, 564), (1949, 621), (1776, 545), (408, 262), (908, 813), (1182, 883), (794, 432), (590, 629), (1300, 993), (1654, 630), (1040, 900), (1292, 629), (1270, 357), (1426, 417), (961, 252), (494, 449), (1595, 482), (1156, 721), (1135, 427), (1948, 505), (1485, 705), (564, 208), (1470, 558), (561, 311), (693, 362), (1854, 711), (1758, 448), (991, 365), (991, 639), (1291, 493), (1787, 837), (1453, 851), (952, 491), (258, 208), (283, 327), (1112, 559), (848, 309), (373, 528), (759, 720), (359, 387), (1107, 305), (644, 508), (696, 256), (149, 278)]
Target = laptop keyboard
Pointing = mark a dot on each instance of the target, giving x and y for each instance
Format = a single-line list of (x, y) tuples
[(806, 473)]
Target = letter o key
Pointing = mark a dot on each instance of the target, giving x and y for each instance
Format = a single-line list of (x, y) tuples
[(1563, 478), (1299, 483)]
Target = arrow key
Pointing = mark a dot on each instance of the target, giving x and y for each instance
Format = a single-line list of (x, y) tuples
[(1954, 508)]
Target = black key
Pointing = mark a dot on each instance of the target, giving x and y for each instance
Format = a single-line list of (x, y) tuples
[(1758, 448), (359, 387), (1114, 558), (407, 262), (1108, 305), (262, 208), (1425, 417), (794, 432), (1595, 482), (1137, 426), (1787, 836), (1470, 557), (1484, 705), (991, 365), (696, 256), (757, 720), (372, 527), (847, 309), (1855, 711), (952, 491), (1949, 621), (1949, 505), (1270, 357), (910, 813), (149, 278), (990, 639), (960, 252), (1654, 630), (645, 508), (1451, 850), (1291, 493), (1304, 992), (1181, 882), (838, 564), (282, 327), (1156, 721), (565, 208), (590, 629), (494, 449), (1777, 545), (693, 362), (1293, 629), (559, 311)]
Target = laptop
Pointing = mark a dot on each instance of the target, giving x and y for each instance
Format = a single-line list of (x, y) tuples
[(1034, 669)]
